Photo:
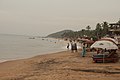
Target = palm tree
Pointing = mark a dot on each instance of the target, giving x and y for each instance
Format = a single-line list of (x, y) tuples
[(98, 30), (105, 28), (88, 27)]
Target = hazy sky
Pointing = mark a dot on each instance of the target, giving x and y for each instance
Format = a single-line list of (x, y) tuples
[(41, 17)]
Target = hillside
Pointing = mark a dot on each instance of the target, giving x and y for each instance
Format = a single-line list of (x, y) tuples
[(59, 34)]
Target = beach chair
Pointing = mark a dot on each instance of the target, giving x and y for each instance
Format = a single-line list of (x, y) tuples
[(103, 58)]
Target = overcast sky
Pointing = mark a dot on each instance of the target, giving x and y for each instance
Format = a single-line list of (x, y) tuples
[(42, 17)]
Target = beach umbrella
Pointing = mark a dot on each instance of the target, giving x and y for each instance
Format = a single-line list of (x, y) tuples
[(87, 41), (104, 45), (110, 39)]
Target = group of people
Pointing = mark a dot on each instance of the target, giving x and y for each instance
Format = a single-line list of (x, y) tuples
[(74, 47)]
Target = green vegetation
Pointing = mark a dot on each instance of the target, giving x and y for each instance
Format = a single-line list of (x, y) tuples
[(60, 34), (100, 31)]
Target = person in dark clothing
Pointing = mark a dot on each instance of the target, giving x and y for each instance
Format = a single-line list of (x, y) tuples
[(73, 46), (68, 46)]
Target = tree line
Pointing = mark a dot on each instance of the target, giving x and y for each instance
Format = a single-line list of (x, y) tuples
[(100, 30)]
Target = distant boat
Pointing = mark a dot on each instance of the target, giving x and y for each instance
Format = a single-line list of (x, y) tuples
[(43, 39), (32, 38)]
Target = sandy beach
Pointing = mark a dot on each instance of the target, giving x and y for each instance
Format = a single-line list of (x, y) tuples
[(59, 66)]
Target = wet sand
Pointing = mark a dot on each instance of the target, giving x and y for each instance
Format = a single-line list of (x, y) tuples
[(59, 66)]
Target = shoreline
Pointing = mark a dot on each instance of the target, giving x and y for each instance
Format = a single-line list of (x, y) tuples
[(42, 53), (21, 47), (62, 65)]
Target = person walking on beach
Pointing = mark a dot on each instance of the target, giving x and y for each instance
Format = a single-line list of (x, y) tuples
[(73, 46), (68, 46), (83, 50)]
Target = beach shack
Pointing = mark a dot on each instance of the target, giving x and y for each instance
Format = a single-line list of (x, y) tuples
[(114, 32)]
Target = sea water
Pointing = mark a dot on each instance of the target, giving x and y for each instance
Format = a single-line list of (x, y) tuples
[(18, 47)]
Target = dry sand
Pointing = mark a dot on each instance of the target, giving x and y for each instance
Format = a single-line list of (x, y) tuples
[(59, 66)]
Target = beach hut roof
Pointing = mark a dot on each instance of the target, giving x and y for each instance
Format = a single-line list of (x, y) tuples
[(110, 39), (104, 45)]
